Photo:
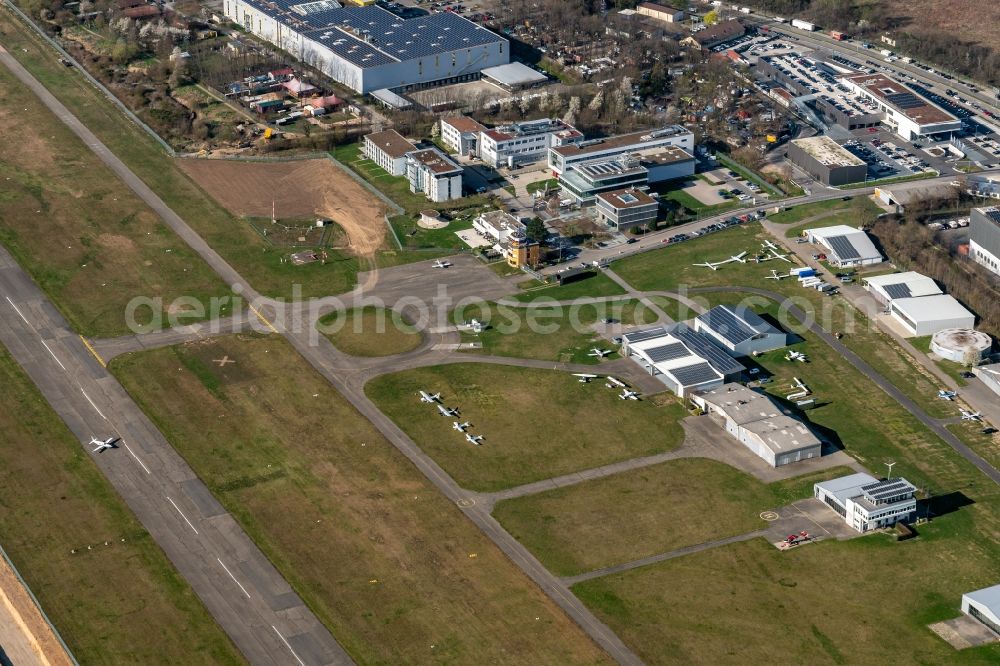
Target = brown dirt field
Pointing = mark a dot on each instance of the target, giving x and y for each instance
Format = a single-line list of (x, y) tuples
[(972, 20), (299, 190), (25, 635)]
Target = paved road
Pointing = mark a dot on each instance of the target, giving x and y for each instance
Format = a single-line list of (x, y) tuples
[(320, 356), (862, 366), (251, 601)]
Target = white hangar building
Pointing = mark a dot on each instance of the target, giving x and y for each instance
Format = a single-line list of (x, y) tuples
[(846, 245), (681, 358), (759, 423), (739, 330), (887, 288), (370, 48), (984, 605), (927, 315)]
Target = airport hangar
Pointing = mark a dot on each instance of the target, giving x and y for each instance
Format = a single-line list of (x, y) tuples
[(827, 161), (846, 245), (370, 49)]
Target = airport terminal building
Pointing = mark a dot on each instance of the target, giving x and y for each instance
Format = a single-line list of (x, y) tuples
[(370, 48)]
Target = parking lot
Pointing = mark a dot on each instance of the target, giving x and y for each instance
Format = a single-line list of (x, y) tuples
[(887, 158)]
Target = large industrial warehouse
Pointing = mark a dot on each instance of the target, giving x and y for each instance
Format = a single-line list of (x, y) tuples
[(827, 161), (370, 48)]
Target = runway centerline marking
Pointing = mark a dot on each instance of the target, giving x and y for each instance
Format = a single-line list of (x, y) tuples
[(288, 645), (183, 516), (129, 449), (233, 577), (92, 404), (53, 354), (18, 311)]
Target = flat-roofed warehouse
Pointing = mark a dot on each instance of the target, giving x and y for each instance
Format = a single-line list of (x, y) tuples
[(846, 245), (926, 315), (907, 113), (827, 161), (370, 48), (759, 423), (514, 76)]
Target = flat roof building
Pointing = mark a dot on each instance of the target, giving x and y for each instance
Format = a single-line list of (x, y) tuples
[(886, 288), (660, 12), (926, 315), (984, 237), (846, 246), (865, 503), (757, 421), (905, 112), (525, 142), (434, 174), (370, 48), (739, 330), (827, 161), (681, 358), (626, 208), (514, 76), (561, 158), (387, 149)]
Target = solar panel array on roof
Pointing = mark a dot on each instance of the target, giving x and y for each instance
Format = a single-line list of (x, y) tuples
[(993, 214), (668, 352), (701, 346), (843, 247), (693, 375), (905, 100), (887, 489), (648, 334), (899, 290), (726, 324)]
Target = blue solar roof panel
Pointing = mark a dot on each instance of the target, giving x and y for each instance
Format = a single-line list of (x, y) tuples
[(843, 248), (703, 347), (693, 375), (900, 290), (647, 334), (728, 325), (667, 352)]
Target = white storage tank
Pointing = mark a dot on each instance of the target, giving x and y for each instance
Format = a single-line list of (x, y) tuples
[(961, 345)]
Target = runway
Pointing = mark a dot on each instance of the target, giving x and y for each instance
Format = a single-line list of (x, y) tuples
[(250, 600)]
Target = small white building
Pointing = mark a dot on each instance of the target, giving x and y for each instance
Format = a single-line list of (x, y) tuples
[(434, 174), (887, 288), (681, 358), (846, 245), (926, 315), (984, 605), (461, 134), (739, 330), (525, 142), (514, 76), (865, 503), (387, 149), (496, 226), (759, 423)]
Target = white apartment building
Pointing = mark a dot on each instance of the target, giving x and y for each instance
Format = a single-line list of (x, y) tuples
[(434, 174), (461, 134), (387, 149)]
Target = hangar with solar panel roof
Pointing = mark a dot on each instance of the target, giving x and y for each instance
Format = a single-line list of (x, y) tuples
[(371, 49), (680, 357), (846, 246), (739, 330)]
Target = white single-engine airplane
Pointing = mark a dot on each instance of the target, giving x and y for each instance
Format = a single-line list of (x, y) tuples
[(441, 263), (971, 416), (429, 397), (947, 395), (460, 426), (612, 383), (629, 395), (584, 377), (447, 411), (473, 439), (105, 444), (714, 265), (599, 353)]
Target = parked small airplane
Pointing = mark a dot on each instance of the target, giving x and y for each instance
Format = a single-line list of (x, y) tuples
[(793, 355), (447, 411), (460, 426), (775, 254), (473, 439), (441, 263), (105, 444), (775, 275), (971, 416), (599, 353), (629, 395), (584, 377), (428, 397), (714, 265), (947, 395), (612, 383)]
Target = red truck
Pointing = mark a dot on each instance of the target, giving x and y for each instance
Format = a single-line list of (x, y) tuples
[(839, 36)]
